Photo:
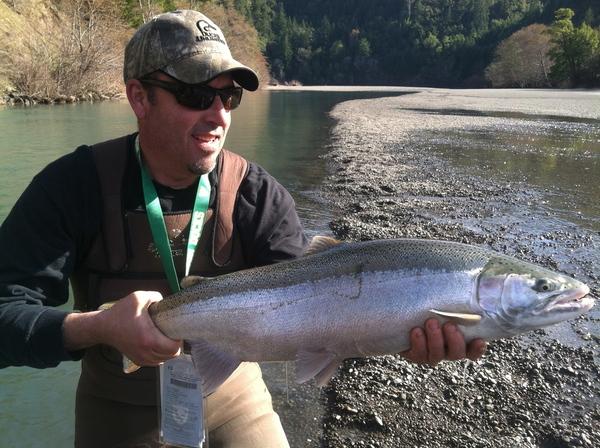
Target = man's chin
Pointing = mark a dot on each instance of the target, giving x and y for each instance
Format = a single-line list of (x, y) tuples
[(203, 168)]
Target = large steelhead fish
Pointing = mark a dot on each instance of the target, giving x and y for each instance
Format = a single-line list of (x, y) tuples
[(346, 300)]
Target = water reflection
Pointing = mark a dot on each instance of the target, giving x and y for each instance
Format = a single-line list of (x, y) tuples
[(561, 157)]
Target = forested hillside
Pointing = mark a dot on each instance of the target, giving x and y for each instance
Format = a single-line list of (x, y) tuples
[(73, 48), (426, 42)]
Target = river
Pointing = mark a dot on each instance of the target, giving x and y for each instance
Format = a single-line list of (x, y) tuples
[(286, 132)]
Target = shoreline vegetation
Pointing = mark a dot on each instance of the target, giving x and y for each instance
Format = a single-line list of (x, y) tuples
[(65, 51), (14, 98)]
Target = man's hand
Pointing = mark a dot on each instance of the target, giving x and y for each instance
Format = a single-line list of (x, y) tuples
[(435, 343), (126, 326)]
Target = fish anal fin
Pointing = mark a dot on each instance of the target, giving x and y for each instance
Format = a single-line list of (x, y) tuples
[(213, 365), (323, 377), (321, 243), (465, 319), (318, 364)]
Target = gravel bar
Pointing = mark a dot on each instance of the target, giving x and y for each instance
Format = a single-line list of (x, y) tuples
[(537, 390)]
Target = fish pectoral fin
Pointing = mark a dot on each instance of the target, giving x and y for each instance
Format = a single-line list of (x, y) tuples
[(321, 243), (213, 365), (458, 318), (320, 365), (191, 280)]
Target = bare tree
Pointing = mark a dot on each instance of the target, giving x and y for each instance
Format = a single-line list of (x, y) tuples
[(75, 50), (522, 59)]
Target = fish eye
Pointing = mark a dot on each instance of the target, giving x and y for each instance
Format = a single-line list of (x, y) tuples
[(543, 285)]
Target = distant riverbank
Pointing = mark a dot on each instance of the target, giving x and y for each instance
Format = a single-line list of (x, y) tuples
[(400, 168), (18, 99), (534, 101)]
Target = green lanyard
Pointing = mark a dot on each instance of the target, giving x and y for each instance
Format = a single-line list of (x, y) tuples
[(157, 221)]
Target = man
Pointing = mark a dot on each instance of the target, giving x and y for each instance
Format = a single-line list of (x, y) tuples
[(85, 219)]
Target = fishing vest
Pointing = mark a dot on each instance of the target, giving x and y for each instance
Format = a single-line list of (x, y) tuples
[(124, 258)]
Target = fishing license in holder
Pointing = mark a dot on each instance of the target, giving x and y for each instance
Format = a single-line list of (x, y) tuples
[(181, 410)]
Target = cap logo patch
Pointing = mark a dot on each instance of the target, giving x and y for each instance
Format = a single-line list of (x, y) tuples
[(208, 32)]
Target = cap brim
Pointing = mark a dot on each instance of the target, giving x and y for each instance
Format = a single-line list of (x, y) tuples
[(202, 68)]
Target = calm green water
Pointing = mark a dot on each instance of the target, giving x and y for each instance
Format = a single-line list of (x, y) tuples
[(557, 155), (285, 132)]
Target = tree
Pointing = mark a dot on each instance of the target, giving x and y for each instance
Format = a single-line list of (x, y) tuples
[(522, 59), (575, 50), (76, 50)]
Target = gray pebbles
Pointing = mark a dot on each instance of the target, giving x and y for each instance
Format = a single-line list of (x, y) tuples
[(539, 390)]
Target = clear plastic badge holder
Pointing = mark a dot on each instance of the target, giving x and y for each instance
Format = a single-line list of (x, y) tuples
[(181, 412)]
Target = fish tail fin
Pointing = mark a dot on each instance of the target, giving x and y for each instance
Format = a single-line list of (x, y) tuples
[(128, 365)]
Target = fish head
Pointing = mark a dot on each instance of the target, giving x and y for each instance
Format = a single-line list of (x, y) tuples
[(521, 296)]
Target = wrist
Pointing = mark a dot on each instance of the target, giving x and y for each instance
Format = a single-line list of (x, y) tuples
[(83, 330)]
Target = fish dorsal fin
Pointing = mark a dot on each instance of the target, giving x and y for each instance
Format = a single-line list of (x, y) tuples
[(321, 243), (320, 364), (458, 318), (192, 280), (213, 365)]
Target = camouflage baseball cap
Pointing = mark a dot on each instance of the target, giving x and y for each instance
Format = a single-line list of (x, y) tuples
[(186, 45)]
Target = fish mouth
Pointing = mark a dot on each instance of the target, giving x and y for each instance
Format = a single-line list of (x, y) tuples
[(576, 299)]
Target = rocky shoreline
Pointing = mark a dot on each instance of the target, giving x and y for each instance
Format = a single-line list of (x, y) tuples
[(539, 390)]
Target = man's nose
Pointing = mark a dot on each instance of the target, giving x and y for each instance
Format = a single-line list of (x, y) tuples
[(217, 113)]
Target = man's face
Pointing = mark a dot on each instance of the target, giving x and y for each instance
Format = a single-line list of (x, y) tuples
[(180, 143)]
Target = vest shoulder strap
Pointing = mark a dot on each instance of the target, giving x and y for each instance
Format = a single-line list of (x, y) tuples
[(232, 171), (111, 160)]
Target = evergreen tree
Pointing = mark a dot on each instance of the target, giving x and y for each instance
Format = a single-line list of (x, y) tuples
[(397, 41), (575, 50)]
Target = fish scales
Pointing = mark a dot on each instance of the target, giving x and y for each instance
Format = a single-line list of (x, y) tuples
[(407, 254), (360, 299)]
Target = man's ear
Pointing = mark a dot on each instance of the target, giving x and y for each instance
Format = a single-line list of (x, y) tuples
[(138, 97)]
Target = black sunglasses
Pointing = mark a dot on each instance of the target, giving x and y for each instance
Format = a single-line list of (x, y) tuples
[(198, 96)]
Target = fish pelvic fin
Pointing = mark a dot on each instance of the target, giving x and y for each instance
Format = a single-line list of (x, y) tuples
[(213, 365), (321, 243), (320, 364), (465, 319)]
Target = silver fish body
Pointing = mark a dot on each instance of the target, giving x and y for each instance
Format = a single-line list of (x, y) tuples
[(361, 299)]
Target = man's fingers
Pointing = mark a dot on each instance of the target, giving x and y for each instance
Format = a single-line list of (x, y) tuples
[(167, 348), (455, 342), (418, 346), (435, 342), (476, 349)]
